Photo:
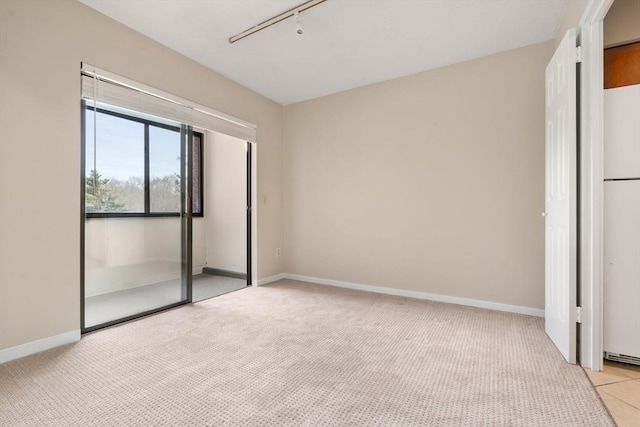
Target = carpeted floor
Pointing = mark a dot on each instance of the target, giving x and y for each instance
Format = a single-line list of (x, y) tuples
[(296, 354)]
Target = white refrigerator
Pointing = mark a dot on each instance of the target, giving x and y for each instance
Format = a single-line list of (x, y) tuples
[(622, 224)]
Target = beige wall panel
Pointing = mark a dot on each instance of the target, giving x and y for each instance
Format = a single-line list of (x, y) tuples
[(42, 44), (622, 23), (122, 253), (199, 243), (571, 18), (432, 182), (226, 205)]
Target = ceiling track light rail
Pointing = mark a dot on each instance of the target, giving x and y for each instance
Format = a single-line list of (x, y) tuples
[(269, 22)]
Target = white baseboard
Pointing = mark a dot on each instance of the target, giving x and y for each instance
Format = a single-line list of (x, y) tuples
[(270, 279), (422, 295), (38, 346)]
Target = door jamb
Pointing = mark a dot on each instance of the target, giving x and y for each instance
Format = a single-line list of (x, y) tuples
[(592, 113), (254, 213)]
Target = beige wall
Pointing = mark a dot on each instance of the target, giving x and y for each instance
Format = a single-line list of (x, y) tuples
[(432, 182), (622, 23), (123, 253), (571, 17), (42, 44), (226, 203), (199, 254)]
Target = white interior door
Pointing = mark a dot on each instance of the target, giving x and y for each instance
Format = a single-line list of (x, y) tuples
[(560, 198)]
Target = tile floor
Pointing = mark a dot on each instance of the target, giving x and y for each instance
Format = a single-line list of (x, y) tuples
[(619, 387)]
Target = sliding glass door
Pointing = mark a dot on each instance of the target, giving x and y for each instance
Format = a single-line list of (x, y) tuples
[(138, 204), (143, 182)]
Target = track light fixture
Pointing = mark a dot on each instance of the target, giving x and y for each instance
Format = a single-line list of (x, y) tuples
[(295, 12), (299, 25)]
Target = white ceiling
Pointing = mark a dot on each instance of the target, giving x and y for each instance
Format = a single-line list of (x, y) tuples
[(346, 43)]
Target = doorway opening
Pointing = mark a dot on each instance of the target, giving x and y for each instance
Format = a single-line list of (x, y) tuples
[(165, 215), (221, 237)]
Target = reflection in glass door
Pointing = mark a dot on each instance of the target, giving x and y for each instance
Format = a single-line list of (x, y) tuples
[(136, 222)]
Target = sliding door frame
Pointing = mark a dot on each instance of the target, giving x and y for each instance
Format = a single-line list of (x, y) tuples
[(249, 215), (83, 213), (186, 212), (186, 224)]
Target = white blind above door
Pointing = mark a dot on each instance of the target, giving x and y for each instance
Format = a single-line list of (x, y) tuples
[(105, 87)]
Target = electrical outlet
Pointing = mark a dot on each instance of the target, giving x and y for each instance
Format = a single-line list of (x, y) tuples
[(278, 252)]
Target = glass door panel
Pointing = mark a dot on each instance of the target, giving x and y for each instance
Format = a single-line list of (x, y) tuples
[(131, 267), (134, 225)]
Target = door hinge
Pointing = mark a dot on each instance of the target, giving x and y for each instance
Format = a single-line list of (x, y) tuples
[(578, 314), (578, 54)]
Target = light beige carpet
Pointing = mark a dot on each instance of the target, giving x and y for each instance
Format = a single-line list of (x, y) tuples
[(295, 354)]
